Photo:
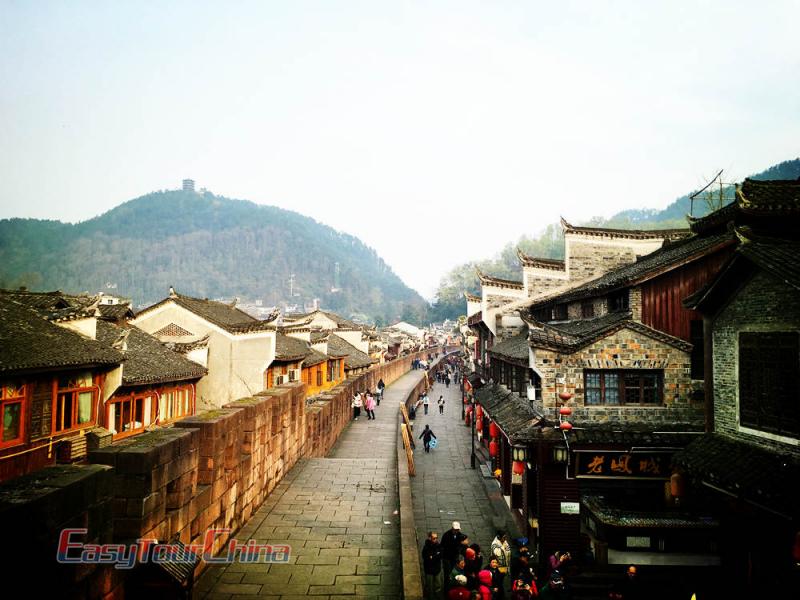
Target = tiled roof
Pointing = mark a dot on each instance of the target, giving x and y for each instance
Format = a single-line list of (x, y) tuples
[(475, 319), (498, 282), (540, 263), (672, 435), (319, 336), (289, 348), (636, 234), (228, 317), (769, 197), (758, 198), (115, 312), (743, 470), (514, 348), (669, 257), (28, 342), (512, 414), (571, 336), (186, 347), (780, 258), (471, 297), (341, 322), (146, 359), (354, 358), (633, 516), (314, 357)]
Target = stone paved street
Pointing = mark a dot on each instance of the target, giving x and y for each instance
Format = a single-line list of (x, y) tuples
[(338, 514), (446, 489)]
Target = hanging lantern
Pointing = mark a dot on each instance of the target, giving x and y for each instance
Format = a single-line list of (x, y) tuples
[(479, 423), (565, 425), (564, 396), (565, 411), (493, 448), (494, 430), (517, 469), (479, 414)]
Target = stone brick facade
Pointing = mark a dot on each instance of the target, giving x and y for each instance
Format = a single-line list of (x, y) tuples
[(625, 349), (764, 304), (587, 258)]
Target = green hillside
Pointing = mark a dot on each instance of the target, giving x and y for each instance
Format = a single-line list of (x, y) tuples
[(207, 246)]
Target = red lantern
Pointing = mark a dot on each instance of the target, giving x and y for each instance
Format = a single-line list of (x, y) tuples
[(676, 485), (494, 430), (517, 469), (565, 425), (493, 449), (564, 396), (479, 414), (565, 411), (479, 423)]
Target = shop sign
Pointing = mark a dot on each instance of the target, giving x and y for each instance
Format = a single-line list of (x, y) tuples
[(622, 465), (570, 508)]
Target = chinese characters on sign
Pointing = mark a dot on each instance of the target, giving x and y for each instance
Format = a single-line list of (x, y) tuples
[(622, 464)]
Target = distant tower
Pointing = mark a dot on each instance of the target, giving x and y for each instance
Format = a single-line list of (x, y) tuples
[(188, 185)]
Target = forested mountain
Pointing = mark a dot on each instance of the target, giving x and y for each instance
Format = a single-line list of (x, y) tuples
[(549, 243), (206, 246)]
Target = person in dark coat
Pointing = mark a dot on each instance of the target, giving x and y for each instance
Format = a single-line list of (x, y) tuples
[(451, 545), (432, 566), (498, 577), (426, 436)]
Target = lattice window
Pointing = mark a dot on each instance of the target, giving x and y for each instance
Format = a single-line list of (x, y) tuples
[(172, 330), (769, 381), (621, 387), (12, 413)]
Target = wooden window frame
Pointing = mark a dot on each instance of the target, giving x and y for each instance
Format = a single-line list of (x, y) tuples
[(619, 301), (319, 376), (75, 392), (769, 381), (587, 309), (622, 388), (560, 312), (8, 399), (190, 390), (131, 400)]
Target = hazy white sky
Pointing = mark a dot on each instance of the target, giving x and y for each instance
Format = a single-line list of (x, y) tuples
[(416, 126)]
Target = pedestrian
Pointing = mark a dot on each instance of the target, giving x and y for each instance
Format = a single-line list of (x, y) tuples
[(426, 436), (473, 564), (555, 588), (498, 579), (630, 589), (485, 584), (425, 402), (441, 405), (451, 544), (501, 550), (370, 406), (447, 381), (356, 406), (457, 570), (432, 566), (381, 387), (460, 590)]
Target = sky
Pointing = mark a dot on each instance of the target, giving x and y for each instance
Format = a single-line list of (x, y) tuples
[(437, 132)]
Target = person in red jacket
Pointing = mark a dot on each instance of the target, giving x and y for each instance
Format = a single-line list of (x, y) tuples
[(485, 584), (459, 591)]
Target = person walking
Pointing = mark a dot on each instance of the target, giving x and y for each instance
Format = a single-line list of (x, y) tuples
[(447, 381), (501, 550), (370, 407), (381, 387), (441, 405), (425, 402), (356, 406), (432, 566), (426, 436)]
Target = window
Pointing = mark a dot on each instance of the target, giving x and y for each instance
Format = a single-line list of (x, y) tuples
[(618, 301), (129, 414), (617, 387), (769, 382), (75, 397), (541, 314), (175, 404), (319, 376), (560, 312), (12, 398), (587, 309)]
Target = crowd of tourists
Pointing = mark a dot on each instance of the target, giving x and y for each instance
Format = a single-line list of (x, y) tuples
[(367, 400)]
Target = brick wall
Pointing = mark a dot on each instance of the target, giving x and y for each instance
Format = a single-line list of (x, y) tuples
[(764, 304), (625, 349), (212, 470), (588, 260)]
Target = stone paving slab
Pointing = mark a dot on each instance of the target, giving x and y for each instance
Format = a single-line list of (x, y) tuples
[(338, 514), (446, 488)]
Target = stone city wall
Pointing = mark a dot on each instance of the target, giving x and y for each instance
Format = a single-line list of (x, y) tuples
[(209, 471)]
